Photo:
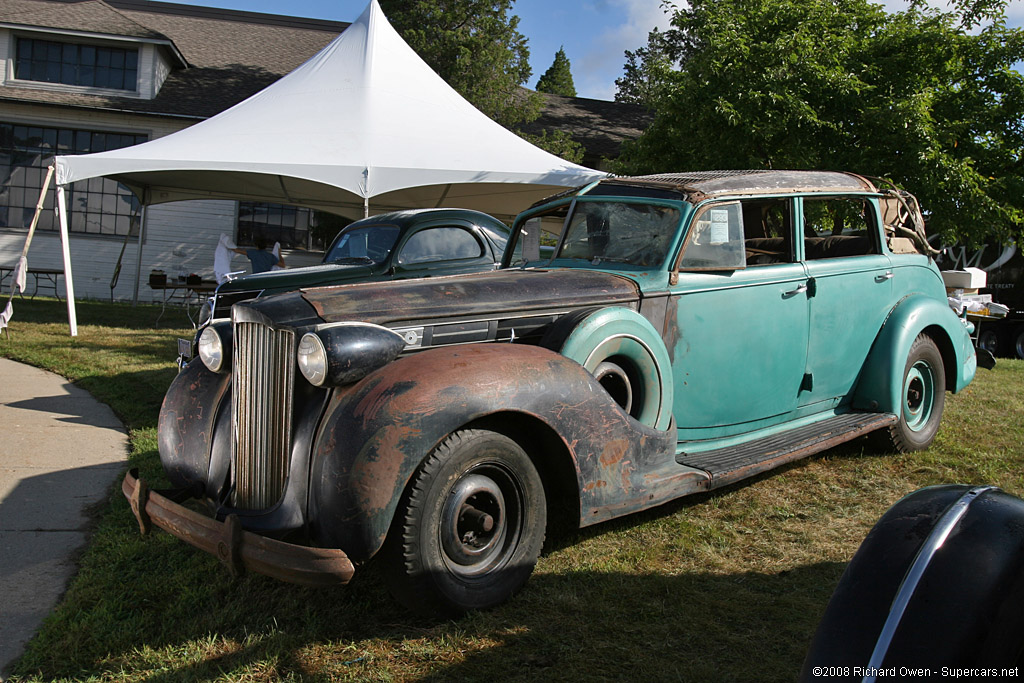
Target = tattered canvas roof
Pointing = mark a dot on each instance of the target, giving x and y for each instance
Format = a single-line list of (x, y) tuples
[(363, 119)]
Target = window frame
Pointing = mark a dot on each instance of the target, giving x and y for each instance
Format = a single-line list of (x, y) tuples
[(48, 40), (873, 224), (699, 211)]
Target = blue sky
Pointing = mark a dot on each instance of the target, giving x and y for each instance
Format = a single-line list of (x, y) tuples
[(594, 33)]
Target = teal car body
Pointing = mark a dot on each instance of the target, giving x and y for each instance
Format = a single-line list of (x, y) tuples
[(645, 339)]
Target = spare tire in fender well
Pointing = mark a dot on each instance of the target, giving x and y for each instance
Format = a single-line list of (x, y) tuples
[(620, 344)]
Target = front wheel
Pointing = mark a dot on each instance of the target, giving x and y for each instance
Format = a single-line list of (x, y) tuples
[(470, 527), (922, 399)]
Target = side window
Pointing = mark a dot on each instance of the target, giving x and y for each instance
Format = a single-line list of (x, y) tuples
[(537, 238), (768, 231), (715, 239), (835, 227), (440, 244)]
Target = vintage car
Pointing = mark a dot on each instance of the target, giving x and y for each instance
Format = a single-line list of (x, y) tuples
[(389, 246), (647, 338)]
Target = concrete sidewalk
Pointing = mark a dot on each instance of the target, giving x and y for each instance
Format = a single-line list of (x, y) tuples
[(61, 450)]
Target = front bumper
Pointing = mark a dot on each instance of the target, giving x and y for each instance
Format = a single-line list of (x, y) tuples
[(240, 550)]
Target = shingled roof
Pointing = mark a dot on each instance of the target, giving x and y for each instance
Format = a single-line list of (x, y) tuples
[(234, 54), (230, 54), (600, 126)]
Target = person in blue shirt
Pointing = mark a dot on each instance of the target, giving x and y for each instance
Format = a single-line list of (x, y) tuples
[(261, 259)]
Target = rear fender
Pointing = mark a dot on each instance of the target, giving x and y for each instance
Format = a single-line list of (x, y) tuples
[(377, 432), (881, 383)]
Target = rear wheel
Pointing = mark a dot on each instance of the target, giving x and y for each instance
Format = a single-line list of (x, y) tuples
[(1018, 342), (470, 528), (989, 340), (922, 399)]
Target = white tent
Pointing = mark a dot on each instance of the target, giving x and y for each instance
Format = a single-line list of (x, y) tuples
[(363, 119)]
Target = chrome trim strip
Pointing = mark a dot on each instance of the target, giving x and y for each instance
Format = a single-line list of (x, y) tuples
[(925, 553)]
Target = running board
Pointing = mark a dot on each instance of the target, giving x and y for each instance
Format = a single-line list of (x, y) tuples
[(730, 464)]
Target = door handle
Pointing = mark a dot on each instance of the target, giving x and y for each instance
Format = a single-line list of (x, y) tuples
[(882, 278), (802, 289), (809, 287)]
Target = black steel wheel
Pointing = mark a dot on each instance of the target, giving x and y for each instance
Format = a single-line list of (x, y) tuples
[(923, 396), (1018, 341), (470, 527)]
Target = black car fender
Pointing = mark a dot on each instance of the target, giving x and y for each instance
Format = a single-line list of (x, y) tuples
[(187, 422), (938, 582), (377, 432)]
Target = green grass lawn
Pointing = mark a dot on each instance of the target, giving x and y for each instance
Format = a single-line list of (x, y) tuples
[(718, 587)]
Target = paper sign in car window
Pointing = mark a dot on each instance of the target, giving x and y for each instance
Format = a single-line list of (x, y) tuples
[(719, 226)]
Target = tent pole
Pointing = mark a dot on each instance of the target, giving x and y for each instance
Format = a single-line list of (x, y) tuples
[(366, 207), (28, 238), (69, 283), (138, 257)]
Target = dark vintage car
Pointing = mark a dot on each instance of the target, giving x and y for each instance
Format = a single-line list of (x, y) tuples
[(389, 246), (646, 339)]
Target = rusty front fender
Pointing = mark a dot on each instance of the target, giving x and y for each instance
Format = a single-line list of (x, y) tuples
[(377, 432)]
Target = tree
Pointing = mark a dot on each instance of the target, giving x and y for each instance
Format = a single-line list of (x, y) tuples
[(646, 71), (915, 97), (476, 47), (557, 80)]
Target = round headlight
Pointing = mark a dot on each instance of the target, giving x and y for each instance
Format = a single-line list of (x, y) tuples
[(211, 349), (312, 358)]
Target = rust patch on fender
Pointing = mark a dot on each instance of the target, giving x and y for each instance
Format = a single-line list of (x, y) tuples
[(614, 452)]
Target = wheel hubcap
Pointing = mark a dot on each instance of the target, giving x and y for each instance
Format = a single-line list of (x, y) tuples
[(917, 399), (479, 520)]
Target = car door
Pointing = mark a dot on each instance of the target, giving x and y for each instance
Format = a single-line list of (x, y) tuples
[(851, 283), (442, 249), (741, 319)]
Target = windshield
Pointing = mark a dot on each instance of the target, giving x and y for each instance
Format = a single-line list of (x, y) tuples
[(366, 244), (634, 233)]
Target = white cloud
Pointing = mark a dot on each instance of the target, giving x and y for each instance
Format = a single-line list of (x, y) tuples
[(603, 62)]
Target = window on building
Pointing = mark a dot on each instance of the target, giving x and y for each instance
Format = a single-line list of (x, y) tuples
[(97, 206), (94, 66), (295, 227)]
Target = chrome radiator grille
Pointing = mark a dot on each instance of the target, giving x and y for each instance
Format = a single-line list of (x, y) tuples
[(261, 393)]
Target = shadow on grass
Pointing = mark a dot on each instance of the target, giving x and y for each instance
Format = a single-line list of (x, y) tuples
[(155, 609), (576, 626)]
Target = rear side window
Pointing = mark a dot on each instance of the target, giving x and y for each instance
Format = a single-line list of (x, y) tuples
[(440, 244), (836, 227)]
